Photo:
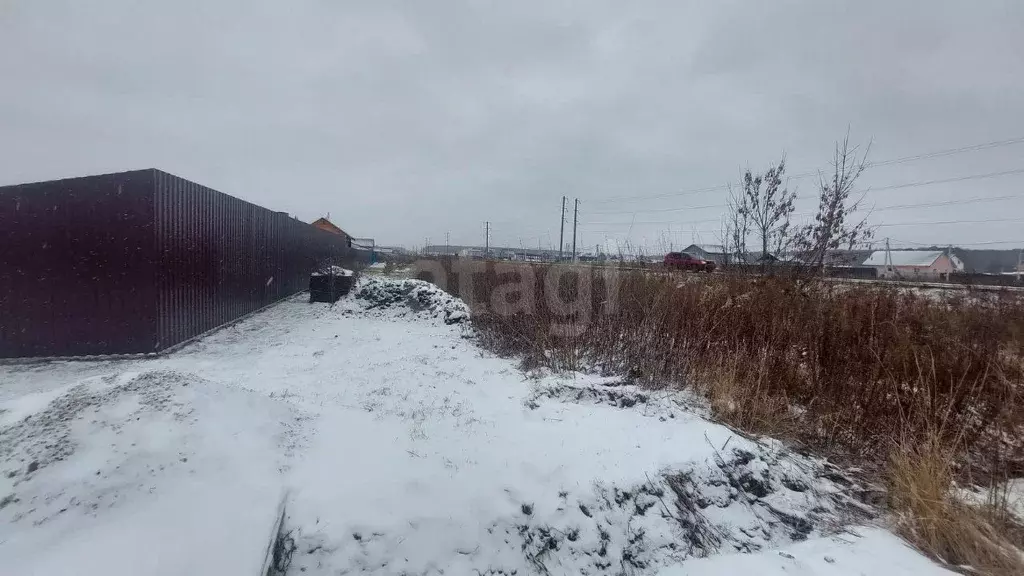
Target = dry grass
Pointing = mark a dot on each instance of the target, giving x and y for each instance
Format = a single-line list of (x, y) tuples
[(980, 539), (748, 407), (841, 369)]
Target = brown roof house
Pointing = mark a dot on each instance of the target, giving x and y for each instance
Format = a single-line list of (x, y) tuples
[(327, 225)]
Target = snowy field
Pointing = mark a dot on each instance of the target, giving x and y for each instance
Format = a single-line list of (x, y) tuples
[(402, 448)]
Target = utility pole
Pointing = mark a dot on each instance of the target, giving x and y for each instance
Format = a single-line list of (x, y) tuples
[(888, 257), (949, 254), (446, 251), (561, 231), (1020, 263), (487, 238), (575, 217)]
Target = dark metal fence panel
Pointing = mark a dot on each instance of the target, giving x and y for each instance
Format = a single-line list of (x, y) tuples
[(77, 264), (137, 262), (222, 257)]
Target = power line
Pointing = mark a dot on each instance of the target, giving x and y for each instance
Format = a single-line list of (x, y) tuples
[(950, 152), (711, 220), (870, 210), (873, 189), (944, 203), (944, 222), (801, 175), (959, 244), (947, 180), (905, 185), (883, 225), (882, 209), (928, 155), (1019, 242)]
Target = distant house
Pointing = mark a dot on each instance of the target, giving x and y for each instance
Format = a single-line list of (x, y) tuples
[(712, 252), (989, 261), (328, 226), (846, 258), (923, 264), (451, 250), (493, 252)]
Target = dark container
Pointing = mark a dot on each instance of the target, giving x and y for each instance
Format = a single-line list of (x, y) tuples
[(139, 262), (329, 287)]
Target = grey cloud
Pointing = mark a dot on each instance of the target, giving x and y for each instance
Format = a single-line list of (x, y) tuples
[(407, 120)]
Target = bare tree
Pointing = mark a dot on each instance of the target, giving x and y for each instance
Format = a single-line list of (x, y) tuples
[(769, 205), (725, 239), (831, 228), (761, 206), (737, 226)]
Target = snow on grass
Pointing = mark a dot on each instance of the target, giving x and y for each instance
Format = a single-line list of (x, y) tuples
[(859, 552), (1010, 491), (405, 448)]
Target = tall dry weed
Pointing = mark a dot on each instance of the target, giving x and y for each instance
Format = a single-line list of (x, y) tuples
[(976, 539)]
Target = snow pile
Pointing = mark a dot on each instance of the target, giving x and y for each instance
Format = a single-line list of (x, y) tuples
[(45, 438), (114, 474), (743, 504), (737, 500), (418, 296)]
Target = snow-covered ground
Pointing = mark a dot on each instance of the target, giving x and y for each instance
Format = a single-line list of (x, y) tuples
[(1010, 492), (403, 448)]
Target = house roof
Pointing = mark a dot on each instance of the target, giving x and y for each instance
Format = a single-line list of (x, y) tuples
[(706, 248), (846, 258), (903, 258), (326, 224)]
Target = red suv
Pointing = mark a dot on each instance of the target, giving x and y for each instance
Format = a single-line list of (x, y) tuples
[(684, 261)]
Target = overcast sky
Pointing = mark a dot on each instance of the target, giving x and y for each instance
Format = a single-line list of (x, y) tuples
[(408, 120)]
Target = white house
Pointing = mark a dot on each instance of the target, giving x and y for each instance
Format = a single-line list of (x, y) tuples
[(923, 264)]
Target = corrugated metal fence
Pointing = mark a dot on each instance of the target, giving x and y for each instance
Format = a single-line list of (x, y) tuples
[(137, 262)]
